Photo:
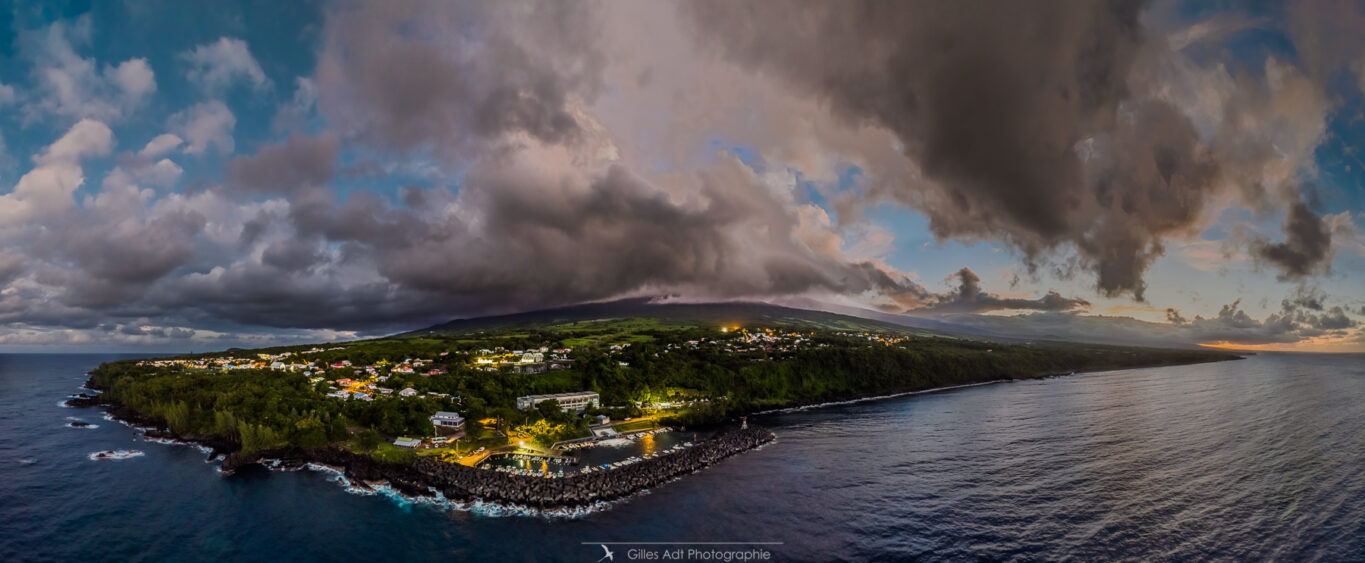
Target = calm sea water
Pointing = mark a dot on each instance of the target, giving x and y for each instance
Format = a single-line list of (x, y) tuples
[(1249, 460)]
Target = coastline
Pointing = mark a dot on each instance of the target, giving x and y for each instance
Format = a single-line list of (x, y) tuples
[(427, 477), (817, 404), (428, 480)]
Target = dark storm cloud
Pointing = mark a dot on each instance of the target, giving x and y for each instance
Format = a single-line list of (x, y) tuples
[(11, 265), (970, 298), (292, 254), (1327, 36), (1305, 297), (1231, 324), (1022, 117), (1174, 317), (301, 161), (448, 76), (1307, 246), (573, 237), (1021, 123)]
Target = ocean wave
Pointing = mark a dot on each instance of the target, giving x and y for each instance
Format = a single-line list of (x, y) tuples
[(875, 398), (170, 442), (115, 454), (437, 500), (110, 418)]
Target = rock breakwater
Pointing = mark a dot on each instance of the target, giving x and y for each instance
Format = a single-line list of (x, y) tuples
[(456, 482)]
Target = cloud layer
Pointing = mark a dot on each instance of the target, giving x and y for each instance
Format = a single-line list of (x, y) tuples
[(1052, 127), (457, 158)]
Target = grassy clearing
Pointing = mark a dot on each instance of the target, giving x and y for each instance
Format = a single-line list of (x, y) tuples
[(634, 425), (394, 454)]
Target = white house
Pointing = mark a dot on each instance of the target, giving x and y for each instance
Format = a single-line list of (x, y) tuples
[(575, 401), (407, 392), (447, 422)]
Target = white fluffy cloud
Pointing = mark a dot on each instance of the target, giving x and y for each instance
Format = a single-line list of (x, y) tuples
[(215, 66), (47, 189), (162, 144), (205, 124), (70, 85)]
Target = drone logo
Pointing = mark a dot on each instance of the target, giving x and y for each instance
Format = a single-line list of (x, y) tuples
[(609, 556)]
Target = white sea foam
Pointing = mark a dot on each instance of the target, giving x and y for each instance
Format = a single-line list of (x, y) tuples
[(110, 418), (115, 454), (876, 398), (438, 500), (170, 442)]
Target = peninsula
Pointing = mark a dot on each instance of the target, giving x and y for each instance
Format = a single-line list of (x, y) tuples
[(563, 408)]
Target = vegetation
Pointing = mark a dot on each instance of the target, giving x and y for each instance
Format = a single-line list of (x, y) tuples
[(685, 372)]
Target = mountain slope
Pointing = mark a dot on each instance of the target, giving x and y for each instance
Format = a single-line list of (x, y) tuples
[(674, 315)]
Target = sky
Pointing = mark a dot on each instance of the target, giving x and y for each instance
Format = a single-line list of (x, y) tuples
[(192, 176)]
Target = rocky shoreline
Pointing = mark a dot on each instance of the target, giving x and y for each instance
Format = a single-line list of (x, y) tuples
[(426, 477), (459, 483)]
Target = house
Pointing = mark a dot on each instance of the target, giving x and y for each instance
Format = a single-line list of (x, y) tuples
[(530, 368), (447, 423), (407, 392), (407, 442), (576, 401), (339, 394)]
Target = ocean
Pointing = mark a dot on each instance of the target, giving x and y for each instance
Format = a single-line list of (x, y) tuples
[(1259, 459)]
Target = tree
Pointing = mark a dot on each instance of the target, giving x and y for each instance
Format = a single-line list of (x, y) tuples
[(368, 440), (549, 410)]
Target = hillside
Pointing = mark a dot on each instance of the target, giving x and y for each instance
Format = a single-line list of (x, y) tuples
[(640, 313)]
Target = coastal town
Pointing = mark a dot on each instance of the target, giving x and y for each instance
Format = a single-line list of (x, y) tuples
[(549, 432), (598, 407)]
